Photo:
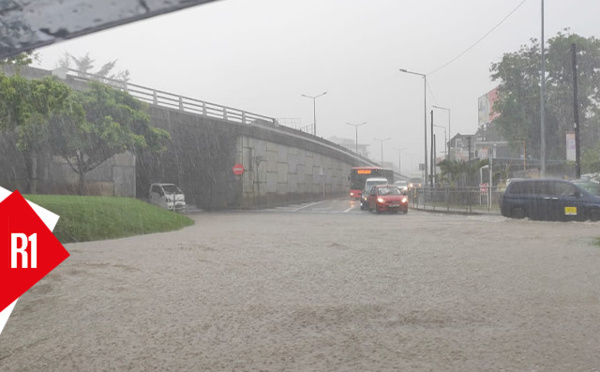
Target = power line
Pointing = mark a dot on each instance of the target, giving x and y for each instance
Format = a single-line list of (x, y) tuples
[(478, 41), (431, 92)]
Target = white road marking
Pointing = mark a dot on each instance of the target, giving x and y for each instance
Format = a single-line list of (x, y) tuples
[(308, 205)]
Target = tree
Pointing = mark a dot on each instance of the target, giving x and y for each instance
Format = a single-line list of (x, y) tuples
[(21, 59), (590, 160), (85, 64), (456, 173), (518, 74), (113, 122), (26, 106)]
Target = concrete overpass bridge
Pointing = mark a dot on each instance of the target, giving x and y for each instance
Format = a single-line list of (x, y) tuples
[(281, 164)]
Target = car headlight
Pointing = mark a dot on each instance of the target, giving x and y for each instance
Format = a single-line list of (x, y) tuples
[(404, 200), (380, 200)]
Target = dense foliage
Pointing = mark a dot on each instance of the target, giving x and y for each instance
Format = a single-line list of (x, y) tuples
[(519, 77), (47, 117), (456, 173)]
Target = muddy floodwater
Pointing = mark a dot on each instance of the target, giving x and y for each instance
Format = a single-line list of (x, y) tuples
[(319, 292)]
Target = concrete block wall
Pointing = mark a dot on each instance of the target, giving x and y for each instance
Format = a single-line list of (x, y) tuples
[(278, 173), (113, 177)]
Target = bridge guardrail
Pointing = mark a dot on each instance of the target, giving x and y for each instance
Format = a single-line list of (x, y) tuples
[(199, 107), (175, 101)]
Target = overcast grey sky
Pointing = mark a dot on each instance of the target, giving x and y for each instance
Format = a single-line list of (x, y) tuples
[(261, 55)]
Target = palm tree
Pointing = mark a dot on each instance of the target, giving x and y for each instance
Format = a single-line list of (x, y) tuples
[(456, 173), (85, 64)]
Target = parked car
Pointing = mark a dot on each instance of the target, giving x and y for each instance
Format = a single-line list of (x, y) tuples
[(589, 186), (369, 183), (549, 199), (168, 196), (387, 198)]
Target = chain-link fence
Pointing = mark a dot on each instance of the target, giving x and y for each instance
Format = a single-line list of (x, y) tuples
[(467, 200)]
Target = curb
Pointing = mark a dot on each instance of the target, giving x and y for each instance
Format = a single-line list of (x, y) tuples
[(458, 212)]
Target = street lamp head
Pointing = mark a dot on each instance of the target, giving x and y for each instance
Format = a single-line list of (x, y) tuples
[(357, 125), (314, 97), (413, 73)]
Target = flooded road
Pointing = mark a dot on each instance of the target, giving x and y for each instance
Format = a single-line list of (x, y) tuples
[(319, 287)]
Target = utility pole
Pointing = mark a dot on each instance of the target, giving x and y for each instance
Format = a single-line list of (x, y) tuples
[(449, 130), (432, 161), (469, 139), (524, 156), (543, 103), (445, 139), (433, 158), (576, 112)]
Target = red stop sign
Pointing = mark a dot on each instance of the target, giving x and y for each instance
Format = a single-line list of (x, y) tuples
[(238, 169)]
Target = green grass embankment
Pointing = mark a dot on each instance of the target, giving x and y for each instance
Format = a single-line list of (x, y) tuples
[(86, 218)]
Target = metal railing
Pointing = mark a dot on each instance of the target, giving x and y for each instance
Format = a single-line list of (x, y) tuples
[(204, 108), (466, 200), (175, 101)]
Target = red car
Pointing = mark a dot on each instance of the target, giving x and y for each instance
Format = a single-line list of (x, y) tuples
[(388, 198)]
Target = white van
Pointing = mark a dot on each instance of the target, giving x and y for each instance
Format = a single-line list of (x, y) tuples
[(402, 185), (168, 196), (370, 182)]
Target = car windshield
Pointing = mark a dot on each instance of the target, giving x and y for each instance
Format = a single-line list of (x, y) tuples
[(375, 183), (267, 117), (388, 191), (171, 189), (591, 187)]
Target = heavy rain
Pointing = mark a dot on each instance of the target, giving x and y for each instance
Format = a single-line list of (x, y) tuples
[(306, 185)]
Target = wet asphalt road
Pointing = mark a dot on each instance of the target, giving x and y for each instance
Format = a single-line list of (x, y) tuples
[(320, 287)]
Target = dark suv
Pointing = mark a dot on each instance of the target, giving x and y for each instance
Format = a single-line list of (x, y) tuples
[(548, 199)]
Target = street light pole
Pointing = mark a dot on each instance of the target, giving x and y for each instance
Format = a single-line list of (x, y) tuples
[(424, 113), (356, 134), (449, 128), (382, 141), (314, 98), (444, 128), (400, 158)]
